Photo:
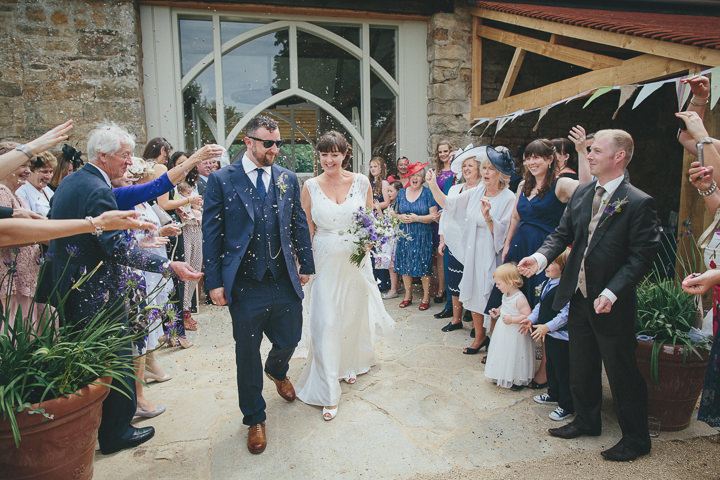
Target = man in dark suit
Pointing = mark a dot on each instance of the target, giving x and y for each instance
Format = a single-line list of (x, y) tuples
[(254, 229), (85, 194), (613, 229), (204, 169)]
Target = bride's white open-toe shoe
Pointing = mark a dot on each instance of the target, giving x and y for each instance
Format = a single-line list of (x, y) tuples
[(329, 413), (351, 380)]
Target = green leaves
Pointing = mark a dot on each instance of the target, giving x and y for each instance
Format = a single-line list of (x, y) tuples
[(666, 313)]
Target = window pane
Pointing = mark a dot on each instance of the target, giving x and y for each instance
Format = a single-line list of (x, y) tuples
[(195, 42), (230, 30), (383, 120), (350, 33), (254, 72), (383, 46), (331, 73), (199, 110)]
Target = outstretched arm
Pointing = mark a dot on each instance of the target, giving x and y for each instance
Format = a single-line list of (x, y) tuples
[(11, 160), (22, 231)]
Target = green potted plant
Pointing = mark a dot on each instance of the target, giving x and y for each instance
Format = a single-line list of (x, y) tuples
[(673, 362), (53, 379)]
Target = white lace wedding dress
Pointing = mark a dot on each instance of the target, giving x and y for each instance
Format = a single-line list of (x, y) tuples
[(342, 303)]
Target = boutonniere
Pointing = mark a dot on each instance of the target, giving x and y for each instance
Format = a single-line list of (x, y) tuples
[(539, 289), (281, 185), (612, 209)]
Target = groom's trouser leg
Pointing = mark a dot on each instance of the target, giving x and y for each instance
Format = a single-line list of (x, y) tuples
[(250, 311), (585, 366), (284, 327), (616, 340)]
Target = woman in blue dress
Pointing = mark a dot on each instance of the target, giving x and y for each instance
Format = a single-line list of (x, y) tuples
[(416, 209), (540, 203)]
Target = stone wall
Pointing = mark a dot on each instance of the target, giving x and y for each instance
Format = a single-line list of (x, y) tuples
[(68, 59), (450, 83)]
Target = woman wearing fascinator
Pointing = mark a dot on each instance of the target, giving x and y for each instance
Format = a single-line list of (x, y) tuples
[(69, 161), (474, 225)]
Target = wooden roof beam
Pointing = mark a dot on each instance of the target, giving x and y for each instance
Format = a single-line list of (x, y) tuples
[(677, 51), (643, 68), (575, 56), (512, 73)]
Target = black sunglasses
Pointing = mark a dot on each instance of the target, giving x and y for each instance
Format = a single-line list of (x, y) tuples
[(269, 143)]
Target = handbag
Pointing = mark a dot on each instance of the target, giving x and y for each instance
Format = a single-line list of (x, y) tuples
[(162, 215)]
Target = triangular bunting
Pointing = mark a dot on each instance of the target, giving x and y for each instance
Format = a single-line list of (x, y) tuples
[(683, 91), (492, 120), (543, 111), (501, 123), (479, 122), (645, 92), (714, 86), (598, 92), (626, 92)]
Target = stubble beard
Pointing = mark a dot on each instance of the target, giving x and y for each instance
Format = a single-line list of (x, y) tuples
[(266, 160)]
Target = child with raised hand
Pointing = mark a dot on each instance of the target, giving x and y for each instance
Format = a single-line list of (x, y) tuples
[(550, 326), (511, 355)]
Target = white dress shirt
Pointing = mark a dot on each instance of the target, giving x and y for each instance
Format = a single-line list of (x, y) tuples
[(37, 200), (610, 188), (252, 172)]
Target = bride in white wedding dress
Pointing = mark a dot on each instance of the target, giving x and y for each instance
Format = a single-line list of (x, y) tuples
[(343, 301)]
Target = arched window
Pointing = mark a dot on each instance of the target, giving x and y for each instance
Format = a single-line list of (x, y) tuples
[(311, 76)]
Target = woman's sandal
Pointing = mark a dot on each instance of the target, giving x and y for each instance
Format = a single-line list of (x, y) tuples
[(405, 303), (351, 380), (329, 413), (471, 351), (424, 306), (484, 360)]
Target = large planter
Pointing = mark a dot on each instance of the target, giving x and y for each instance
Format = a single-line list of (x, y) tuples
[(673, 400), (62, 448)]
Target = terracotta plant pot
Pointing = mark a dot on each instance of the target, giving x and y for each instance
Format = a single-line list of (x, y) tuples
[(673, 400), (62, 448)]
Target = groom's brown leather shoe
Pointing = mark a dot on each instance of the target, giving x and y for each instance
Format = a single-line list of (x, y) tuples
[(257, 441), (284, 387)]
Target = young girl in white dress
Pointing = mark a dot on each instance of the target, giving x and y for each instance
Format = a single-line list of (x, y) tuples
[(342, 299), (511, 355)]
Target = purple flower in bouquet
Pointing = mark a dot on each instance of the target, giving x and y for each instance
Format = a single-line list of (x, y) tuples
[(371, 230)]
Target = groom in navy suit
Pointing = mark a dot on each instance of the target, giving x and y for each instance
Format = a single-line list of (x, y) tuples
[(254, 234)]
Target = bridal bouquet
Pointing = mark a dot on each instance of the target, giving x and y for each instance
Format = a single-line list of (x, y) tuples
[(372, 230)]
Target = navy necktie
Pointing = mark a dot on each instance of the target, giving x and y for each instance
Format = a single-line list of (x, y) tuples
[(260, 184)]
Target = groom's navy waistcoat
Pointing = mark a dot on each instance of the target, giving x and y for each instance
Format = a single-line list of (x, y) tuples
[(264, 252)]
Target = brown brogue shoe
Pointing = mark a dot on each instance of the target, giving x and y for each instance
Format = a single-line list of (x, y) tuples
[(284, 387), (257, 441)]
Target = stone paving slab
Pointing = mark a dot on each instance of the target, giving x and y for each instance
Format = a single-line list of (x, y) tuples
[(425, 409)]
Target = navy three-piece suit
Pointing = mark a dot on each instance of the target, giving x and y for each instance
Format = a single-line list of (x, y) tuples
[(251, 240)]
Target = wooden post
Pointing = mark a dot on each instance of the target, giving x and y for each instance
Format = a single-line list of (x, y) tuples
[(476, 65)]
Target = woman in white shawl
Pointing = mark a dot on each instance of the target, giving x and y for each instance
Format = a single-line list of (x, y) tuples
[(475, 226)]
